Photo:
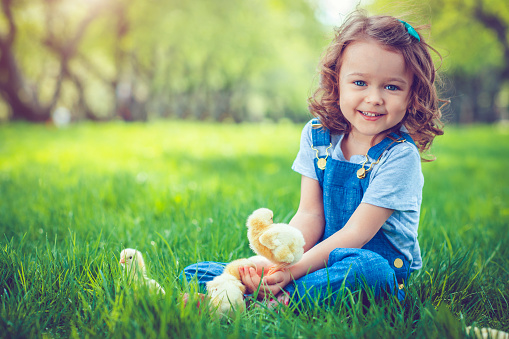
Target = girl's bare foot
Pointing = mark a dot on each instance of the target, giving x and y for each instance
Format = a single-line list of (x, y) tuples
[(281, 300), (200, 296)]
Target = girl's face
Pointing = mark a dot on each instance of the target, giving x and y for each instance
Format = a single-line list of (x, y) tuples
[(374, 88)]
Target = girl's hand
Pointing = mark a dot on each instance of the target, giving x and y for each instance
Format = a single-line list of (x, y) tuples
[(261, 263), (270, 286)]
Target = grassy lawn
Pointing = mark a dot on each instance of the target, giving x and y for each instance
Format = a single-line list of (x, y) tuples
[(71, 199)]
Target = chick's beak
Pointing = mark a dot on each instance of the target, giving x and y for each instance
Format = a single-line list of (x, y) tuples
[(122, 261)]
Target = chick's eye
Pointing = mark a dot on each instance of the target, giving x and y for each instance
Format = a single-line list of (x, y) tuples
[(359, 83), (392, 87), (130, 257)]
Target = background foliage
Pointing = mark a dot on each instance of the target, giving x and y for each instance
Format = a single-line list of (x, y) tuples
[(206, 60), (220, 60), (473, 38)]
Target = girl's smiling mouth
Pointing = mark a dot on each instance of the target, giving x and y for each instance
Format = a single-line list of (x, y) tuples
[(370, 114)]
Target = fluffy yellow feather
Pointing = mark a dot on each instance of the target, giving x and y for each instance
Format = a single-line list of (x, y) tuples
[(226, 291), (282, 244), (132, 260)]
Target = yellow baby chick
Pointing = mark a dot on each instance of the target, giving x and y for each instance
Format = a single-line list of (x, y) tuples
[(226, 291), (282, 244), (132, 260)]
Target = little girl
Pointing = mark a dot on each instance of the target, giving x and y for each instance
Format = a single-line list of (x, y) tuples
[(376, 109)]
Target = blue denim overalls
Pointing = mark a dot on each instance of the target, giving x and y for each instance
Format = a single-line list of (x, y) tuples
[(378, 265)]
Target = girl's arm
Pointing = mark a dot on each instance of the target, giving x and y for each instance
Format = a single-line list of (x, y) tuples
[(310, 218), (360, 228)]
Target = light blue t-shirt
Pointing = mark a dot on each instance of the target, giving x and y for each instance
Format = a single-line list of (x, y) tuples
[(395, 182)]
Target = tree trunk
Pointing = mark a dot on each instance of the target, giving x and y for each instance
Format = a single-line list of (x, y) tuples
[(19, 96)]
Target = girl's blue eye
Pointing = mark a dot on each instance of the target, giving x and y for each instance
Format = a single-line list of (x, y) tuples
[(392, 87), (359, 83)]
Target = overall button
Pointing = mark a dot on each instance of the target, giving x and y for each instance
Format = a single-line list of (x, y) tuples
[(401, 286), (398, 263), (321, 163)]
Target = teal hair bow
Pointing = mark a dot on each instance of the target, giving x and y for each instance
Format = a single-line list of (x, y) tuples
[(411, 30)]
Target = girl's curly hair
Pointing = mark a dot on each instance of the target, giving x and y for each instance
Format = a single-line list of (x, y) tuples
[(424, 111)]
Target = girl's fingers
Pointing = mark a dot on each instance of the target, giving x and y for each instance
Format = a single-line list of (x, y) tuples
[(245, 276), (261, 263), (269, 285), (251, 281), (262, 288), (274, 278), (254, 277)]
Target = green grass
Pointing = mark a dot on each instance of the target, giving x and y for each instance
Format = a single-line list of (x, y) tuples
[(72, 199)]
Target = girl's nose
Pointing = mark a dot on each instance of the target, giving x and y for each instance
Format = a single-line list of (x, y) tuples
[(374, 97)]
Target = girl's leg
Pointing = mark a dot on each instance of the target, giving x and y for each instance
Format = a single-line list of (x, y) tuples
[(203, 271), (352, 268)]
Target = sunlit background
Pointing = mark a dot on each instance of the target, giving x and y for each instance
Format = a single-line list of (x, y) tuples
[(64, 61)]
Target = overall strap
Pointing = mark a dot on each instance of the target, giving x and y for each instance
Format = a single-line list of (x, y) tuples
[(321, 135), (320, 138), (389, 142)]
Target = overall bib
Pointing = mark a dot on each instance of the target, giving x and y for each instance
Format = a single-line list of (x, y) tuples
[(378, 265)]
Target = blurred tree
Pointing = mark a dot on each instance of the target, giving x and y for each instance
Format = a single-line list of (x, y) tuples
[(21, 93), (222, 60), (472, 35), (20, 96), (218, 60)]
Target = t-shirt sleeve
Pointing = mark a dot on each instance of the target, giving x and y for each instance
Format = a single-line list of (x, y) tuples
[(397, 182), (304, 162)]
